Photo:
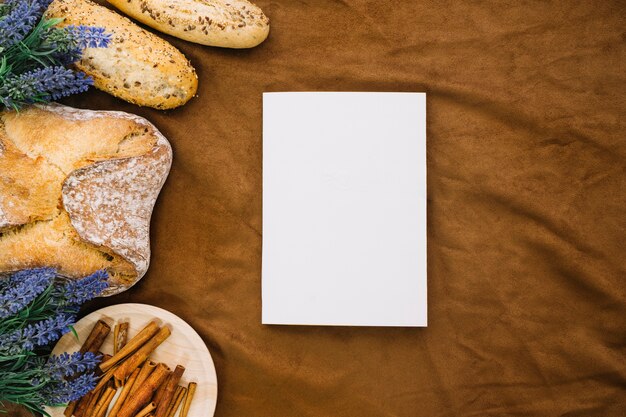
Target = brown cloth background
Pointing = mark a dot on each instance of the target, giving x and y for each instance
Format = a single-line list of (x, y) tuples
[(526, 206)]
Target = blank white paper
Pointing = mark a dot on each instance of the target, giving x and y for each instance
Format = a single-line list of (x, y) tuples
[(344, 209)]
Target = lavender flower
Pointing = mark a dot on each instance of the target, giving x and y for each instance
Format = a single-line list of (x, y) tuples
[(76, 292), (28, 376), (65, 391), (38, 334), (62, 45), (44, 84), (34, 51), (69, 42), (19, 276), (65, 364), (88, 36), (21, 288), (21, 18)]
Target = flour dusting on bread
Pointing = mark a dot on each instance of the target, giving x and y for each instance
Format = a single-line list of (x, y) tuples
[(110, 202), (79, 198)]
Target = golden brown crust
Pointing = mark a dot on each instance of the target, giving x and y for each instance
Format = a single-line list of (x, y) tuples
[(55, 243), (79, 192), (137, 66), (26, 198), (70, 143), (224, 23)]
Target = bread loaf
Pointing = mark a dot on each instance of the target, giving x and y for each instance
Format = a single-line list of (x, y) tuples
[(77, 188), (225, 23), (138, 66)]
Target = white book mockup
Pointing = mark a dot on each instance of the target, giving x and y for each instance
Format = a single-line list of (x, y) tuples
[(344, 209)]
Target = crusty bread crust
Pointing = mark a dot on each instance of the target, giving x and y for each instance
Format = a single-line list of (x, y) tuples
[(26, 198), (94, 211), (138, 66), (225, 23), (56, 243)]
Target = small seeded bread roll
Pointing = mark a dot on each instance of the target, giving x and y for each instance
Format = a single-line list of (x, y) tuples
[(138, 66), (225, 23)]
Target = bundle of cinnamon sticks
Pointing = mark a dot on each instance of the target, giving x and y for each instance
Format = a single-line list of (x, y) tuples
[(146, 388)]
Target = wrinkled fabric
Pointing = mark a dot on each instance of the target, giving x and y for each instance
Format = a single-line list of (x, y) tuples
[(526, 199)]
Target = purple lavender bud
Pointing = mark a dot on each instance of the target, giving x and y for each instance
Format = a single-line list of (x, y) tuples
[(48, 331), (19, 276), (88, 36), (76, 292), (38, 334), (21, 288), (43, 84), (65, 364), (68, 390), (19, 20), (79, 82), (69, 42), (59, 40)]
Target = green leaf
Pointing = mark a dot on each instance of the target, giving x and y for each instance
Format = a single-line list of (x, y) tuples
[(74, 333)]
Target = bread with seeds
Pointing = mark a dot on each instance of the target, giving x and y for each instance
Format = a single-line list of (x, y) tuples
[(225, 23), (138, 66)]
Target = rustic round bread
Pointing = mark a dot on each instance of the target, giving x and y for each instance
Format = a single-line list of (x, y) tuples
[(224, 23), (77, 189)]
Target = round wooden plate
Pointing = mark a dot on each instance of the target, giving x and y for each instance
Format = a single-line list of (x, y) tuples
[(184, 347)]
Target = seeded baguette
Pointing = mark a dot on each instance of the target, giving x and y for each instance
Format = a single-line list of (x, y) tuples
[(138, 66), (224, 23)]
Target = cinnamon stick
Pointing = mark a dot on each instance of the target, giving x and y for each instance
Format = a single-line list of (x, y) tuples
[(159, 392), (133, 344), (146, 410), (146, 370), (93, 404), (142, 396), (84, 402), (137, 358), (169, 391), (191, 390), (104, 380), (120, 336), (103, 403), (92, 344), (69, 410), (177, 392), (178, 399), (96, 338), (81, 404), (128, 386)]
